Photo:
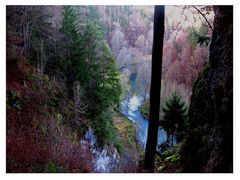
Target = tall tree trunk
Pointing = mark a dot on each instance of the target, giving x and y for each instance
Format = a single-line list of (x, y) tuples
[(209, 144), (155, 90)]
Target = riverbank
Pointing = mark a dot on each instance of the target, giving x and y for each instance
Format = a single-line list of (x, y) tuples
[(131, 157), (130, 150), (126, 131)]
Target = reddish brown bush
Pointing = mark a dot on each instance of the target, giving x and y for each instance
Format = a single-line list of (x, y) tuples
[(34, 137)]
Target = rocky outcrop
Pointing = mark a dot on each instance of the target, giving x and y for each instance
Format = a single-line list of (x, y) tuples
[(209, 143)]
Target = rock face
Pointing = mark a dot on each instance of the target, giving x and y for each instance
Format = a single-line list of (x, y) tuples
[(209, 143)]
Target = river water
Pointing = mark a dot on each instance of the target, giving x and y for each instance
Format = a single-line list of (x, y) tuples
[(105, 160), (130, 107)]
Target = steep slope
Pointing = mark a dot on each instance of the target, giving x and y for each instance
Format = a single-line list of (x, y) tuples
[(39, 139)]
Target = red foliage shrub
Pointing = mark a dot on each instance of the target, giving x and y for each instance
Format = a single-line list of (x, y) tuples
[(35, 139), (70, 154), (26, 150), (28, 147)]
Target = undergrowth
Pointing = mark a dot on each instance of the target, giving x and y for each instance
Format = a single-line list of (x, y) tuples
[(42, 135)]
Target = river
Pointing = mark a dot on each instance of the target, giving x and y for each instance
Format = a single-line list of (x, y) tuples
[(106, 159), (130, 108)]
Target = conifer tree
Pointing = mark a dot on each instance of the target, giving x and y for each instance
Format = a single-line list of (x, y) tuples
[(175, 117), (72, 63), (87, 59)]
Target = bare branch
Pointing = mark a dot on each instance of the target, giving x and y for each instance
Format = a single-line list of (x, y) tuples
[(203, 16)]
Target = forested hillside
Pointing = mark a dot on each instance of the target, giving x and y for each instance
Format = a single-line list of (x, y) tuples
[(60, 82), (78, 84)]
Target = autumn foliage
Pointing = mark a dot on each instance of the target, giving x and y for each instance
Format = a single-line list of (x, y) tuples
[(36, 140)]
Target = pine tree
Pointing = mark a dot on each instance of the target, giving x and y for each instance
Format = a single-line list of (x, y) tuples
[(71, 62), (175, 116), (88, 62)]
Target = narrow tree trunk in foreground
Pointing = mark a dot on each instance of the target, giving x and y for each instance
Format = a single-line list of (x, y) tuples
[(155, 90)]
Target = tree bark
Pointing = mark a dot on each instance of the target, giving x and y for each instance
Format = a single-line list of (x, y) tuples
[(208, 146), (155, 90)]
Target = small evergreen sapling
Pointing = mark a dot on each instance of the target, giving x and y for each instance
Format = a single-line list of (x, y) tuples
[(175, 117)]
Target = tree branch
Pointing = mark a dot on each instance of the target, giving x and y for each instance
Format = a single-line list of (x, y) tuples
[(203, 16)]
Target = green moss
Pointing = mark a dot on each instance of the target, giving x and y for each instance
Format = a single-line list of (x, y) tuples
[(201, 83), (200, 98)]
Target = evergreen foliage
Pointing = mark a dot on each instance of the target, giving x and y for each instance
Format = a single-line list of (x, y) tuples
[(175, 117), (200, 36), (87, 59)]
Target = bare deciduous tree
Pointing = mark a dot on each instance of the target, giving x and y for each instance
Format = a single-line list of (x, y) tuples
[(78, 94)]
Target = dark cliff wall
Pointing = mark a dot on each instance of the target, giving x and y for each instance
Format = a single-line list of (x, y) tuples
[(209, 144)]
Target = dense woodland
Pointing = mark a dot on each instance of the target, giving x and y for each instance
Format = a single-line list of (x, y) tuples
[(70, 68)]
